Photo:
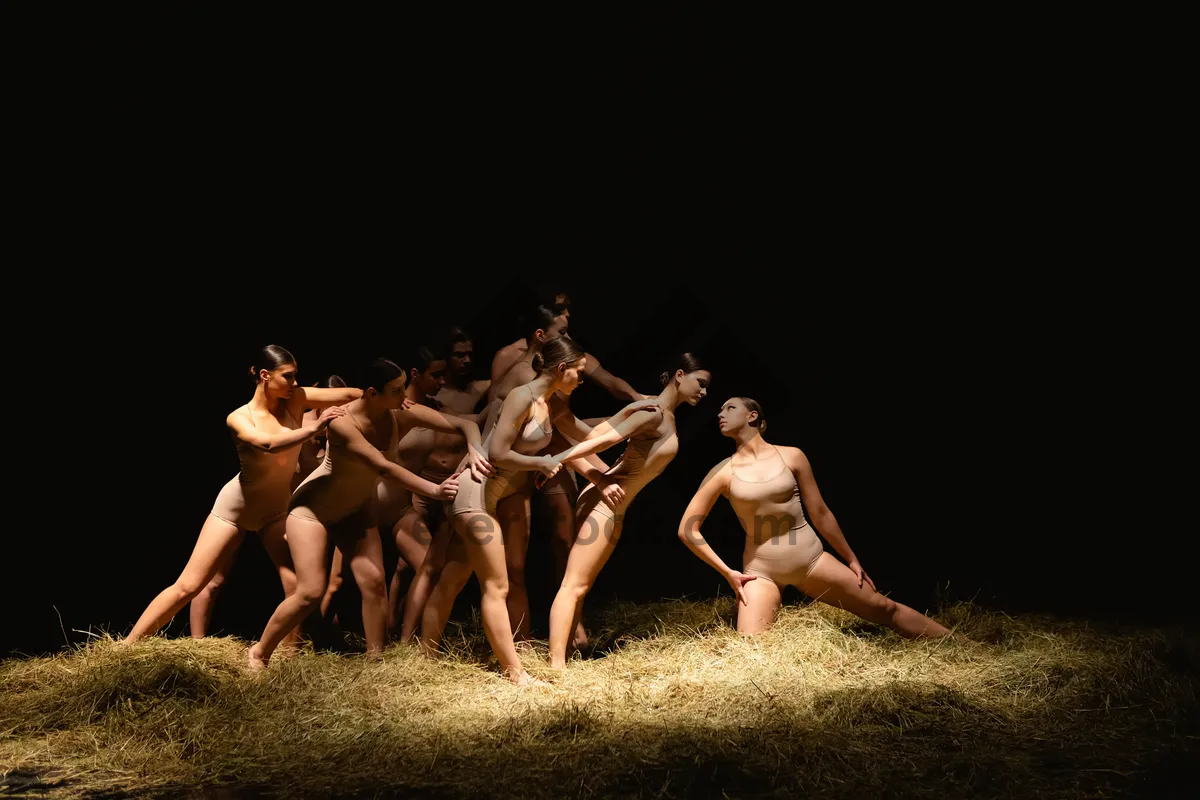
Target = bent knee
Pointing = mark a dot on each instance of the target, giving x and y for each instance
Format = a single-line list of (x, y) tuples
[(311, 593), (576, 590), (496, 587), (371, 585), (884, 608)]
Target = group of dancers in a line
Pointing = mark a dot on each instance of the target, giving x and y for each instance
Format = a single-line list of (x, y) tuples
[(404, 449)]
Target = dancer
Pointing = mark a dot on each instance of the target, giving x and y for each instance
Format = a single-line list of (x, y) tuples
[(403, 514), (652, 445), (460, 396), (338, 501), (312, 450), (522, 430), (268, 434), (561, 492), (769, 488)]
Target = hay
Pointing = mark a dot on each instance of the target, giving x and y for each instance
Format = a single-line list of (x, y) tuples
[(674, 703)]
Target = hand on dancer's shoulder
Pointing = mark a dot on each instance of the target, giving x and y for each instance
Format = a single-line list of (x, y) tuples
[(327, 416), (737, 581), (479, 466), (447, 489), (647, 403)]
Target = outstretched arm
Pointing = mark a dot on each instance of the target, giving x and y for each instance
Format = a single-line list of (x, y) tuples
[(822, 518), (306, 397), (357, 444), (244, 430), (715, 483), (625, 423), (419, 416), (611, 383)]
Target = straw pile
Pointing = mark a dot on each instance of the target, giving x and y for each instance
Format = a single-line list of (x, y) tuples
[(674, 704)]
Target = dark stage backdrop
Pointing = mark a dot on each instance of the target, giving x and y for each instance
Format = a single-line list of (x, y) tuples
[(924, 422), (895, 251)]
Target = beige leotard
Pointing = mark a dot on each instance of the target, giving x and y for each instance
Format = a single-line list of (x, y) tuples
[(477, 497), (343, 485), (645, 457), (780, 544), (258, 495)]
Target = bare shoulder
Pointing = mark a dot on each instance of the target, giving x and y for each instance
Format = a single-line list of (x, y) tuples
[(792, 456), (239, 414), (718, 476)]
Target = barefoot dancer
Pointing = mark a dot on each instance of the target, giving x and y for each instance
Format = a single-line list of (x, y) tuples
[(769, 487), (338, 501), (406, 515), (652, 446), (268, 434), (523, 429)]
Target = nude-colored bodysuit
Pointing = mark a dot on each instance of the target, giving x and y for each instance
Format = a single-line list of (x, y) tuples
[(780, 544), (258, 495), (410, 452), (343, 485), (477, 497), (644, 459)]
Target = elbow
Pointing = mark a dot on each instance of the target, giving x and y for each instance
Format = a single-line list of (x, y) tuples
[(821, 517)]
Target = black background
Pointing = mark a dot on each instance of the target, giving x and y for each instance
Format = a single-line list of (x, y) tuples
[(887, 236)]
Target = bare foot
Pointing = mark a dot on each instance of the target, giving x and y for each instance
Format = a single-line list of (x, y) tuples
[(525, 679), (254, 661)]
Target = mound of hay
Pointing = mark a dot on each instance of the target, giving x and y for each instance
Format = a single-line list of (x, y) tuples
[(673, 703)]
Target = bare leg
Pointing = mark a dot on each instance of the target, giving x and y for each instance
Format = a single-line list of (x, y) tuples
[(763, 598), (307, 541), (426, 578), (366, 564), (513, 514), (335, 582), (454, 576), (597, 537), (485, 547), (832, 582), (412, 541), (562, 537), (201, 606), (275, 543), (216, 537)]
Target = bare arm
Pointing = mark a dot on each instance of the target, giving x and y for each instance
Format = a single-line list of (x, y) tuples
[(611, 383), (357, 444), (822, 518), (504, 433), (619, 427), (419, 416), (306, 397), (243, 428), (715, 483)]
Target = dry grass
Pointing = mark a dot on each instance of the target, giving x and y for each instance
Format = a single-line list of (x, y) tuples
[(678, 706)]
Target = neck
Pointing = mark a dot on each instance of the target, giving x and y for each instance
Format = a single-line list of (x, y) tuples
[(669, 397), (373, 409), (462, 380), (412, 393), (543, 386), (260, 399), (749, 441)]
